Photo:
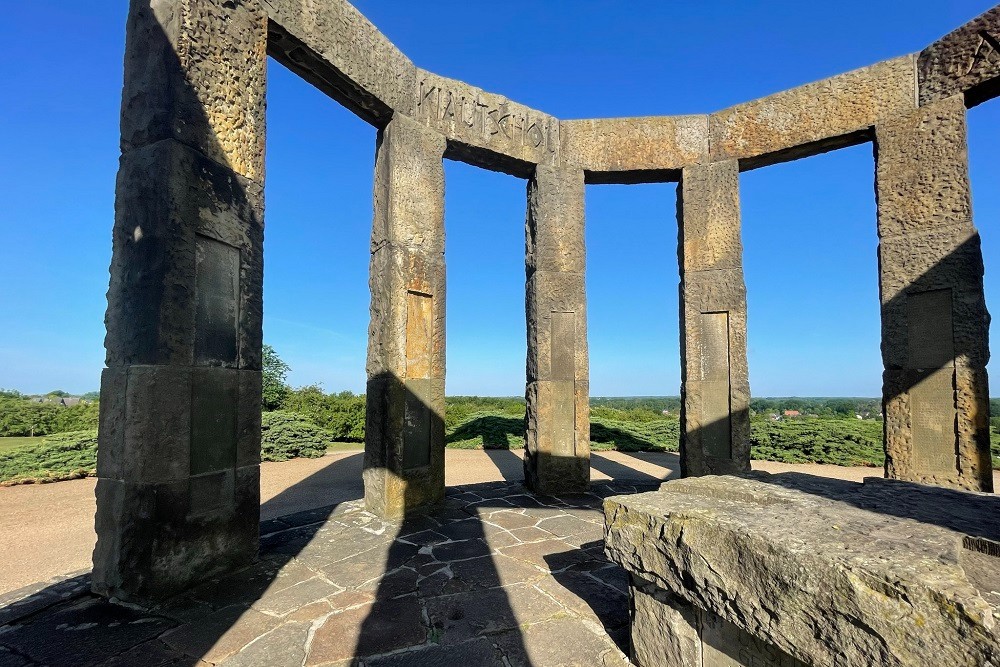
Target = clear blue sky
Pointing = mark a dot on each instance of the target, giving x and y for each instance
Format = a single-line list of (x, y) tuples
[(809, 226)]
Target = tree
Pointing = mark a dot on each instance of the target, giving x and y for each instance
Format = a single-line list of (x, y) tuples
[(274, 372)]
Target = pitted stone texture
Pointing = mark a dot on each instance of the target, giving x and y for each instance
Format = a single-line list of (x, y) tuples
[(404, 440), (813, 118), (923, 169), (483, 128), (334, 47), (965, 61), (715, 387), (195, 71), (831, 572), (169, 196), (622, 149)]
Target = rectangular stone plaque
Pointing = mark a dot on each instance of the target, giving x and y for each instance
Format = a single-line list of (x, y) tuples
[(932, 418), (417, 424), (725, 645), (931, 340), (419, 334), (562, 346), (564, 418), (217, 312), (214, 402), (716, 429)]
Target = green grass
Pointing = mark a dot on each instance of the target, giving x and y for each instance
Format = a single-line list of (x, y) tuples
[(11, 443)]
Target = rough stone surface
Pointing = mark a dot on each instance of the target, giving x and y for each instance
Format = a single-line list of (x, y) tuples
[(934, 317), (828, 572), (965, 62), (815, 117), (631, 150), (341, 586), (715, 387), (557, 422), (404, 439)]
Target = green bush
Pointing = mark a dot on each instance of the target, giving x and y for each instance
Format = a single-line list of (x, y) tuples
[(286, 435), (58, 457), (845, 442), (22, 417), (343, 414)]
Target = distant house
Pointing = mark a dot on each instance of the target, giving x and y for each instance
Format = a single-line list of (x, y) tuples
[(792, 413), (68, 401)]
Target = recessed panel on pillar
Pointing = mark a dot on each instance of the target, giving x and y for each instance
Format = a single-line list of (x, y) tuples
[(562, 343), (417, 412), (218, 313), (931, 355), (716, 435)]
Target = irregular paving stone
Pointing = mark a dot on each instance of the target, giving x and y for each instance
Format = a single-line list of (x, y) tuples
[(10, 659), (220, 635), (461, 550), (590, 597), (283, 646), (153, 653), (577, 646), (546, 554), (457, 618), (82, 632), (531, 534), (296, 596), (510, 519), (564, 526), (462, 530), (386, 625), (471, 654), (30, 599), (394, 583)]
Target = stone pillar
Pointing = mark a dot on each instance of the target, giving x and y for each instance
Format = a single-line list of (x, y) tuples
[(715, 388), (934, 319), (557, 422), (404, 434), (178, 495)]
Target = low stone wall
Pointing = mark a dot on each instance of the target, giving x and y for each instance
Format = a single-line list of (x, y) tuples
[(789, 570)]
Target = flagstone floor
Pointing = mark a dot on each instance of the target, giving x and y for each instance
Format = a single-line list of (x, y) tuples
[(494, 577)]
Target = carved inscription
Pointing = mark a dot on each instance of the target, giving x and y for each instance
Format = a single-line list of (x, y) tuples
[(217, 312), (473, 114), (725, 645), (716, 430), (987, 51), (417, 411)]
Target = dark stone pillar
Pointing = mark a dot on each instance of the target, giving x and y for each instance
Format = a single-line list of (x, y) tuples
[(178, 496), (715, 389), (934, 321), (404, 435), (557, 428)]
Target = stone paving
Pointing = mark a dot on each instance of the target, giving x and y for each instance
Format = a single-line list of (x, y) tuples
[(493, 577)]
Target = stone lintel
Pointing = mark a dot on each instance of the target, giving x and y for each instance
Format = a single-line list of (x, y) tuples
[(634, 150), (813, 118), (334, 47), (195, 71), (965, 62), (827, 571)]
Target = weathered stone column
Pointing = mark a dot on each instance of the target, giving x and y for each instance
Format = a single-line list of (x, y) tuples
[(178, 495), (557, 423), (934, 319), (715, 388), (404, 434)]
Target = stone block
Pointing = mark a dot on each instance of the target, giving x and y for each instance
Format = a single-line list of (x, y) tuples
[(483, 128), (557, 437), (664, 628), (145, 434), (922, 169), (709, 212), (632, 150), (195, 72), (560, 297), (816, 571), (169, 196), (158, 539), (714, 291), (964, 62), (409, 188), (813, 118), (554, 227), (248, 418)]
